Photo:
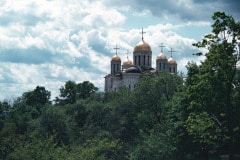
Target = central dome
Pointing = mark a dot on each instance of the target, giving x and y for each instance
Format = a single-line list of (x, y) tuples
[(142, 46)]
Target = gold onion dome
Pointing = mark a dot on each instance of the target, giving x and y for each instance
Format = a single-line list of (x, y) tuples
[(142, 46), (128, 62), (161, 56), (171, 61), (116, 58)]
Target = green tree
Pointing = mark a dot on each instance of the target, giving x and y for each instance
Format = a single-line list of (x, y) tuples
[(53, 122), (157, 135), (151, 96), (100, 149), (158, 144), (180, 142), (85, 89), (17, 123), (67, 93), (4, 109), (32, 147), (39, 96), (71, 92), (122, 119), (210, 88), (77, 115)]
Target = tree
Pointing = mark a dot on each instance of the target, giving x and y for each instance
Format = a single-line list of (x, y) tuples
[(210, 88), (151, 96), (71, 92), (39, 96), (53, 123), (100, 149), (157, 136), (85, 89), (4, 109), (67, 93), (158, 144)]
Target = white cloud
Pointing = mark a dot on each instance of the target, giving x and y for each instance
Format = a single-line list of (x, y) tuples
[(47, 43), (99, 14)]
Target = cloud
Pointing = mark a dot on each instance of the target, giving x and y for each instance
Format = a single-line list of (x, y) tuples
[(47, 43), (30, 55), (50, 42), (186, 10)]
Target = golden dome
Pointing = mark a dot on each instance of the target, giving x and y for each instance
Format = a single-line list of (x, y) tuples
[(116, 58), (128, 62), (161, 56), (171, 61), (142, 46)]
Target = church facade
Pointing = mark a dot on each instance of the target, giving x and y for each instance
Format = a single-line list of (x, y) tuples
[(127, 74)]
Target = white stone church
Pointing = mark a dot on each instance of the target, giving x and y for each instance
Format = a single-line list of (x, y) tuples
[(127, 74)]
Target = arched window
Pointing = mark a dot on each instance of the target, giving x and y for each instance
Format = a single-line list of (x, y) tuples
[(118, 67), (144, 59), (148, 61)]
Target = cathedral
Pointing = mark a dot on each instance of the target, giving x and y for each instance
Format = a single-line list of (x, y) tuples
[(127, 74)]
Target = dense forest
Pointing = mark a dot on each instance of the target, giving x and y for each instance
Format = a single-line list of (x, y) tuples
[(166, 116)]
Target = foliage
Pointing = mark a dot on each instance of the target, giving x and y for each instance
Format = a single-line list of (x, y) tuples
[(39, 96), (100, 149), (151, 96), (158, 144), (72, 91), (164, 117), (210, 88), (200, 125)]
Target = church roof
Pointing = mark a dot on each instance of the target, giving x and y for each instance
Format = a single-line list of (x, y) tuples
[(128, 62), (171, 61), (116, 58), (142, 46), (133, 69), (161, 56)]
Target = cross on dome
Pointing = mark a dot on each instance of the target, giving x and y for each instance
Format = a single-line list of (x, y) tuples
[(171, 51), (161, 46), (116, 48), (142, 32), (127, 54)]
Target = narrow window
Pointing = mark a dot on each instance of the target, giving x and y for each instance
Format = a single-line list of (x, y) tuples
[(148, 61), (144, 59), (139, 60)]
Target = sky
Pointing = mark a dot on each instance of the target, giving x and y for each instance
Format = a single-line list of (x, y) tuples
[(48, 42)]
